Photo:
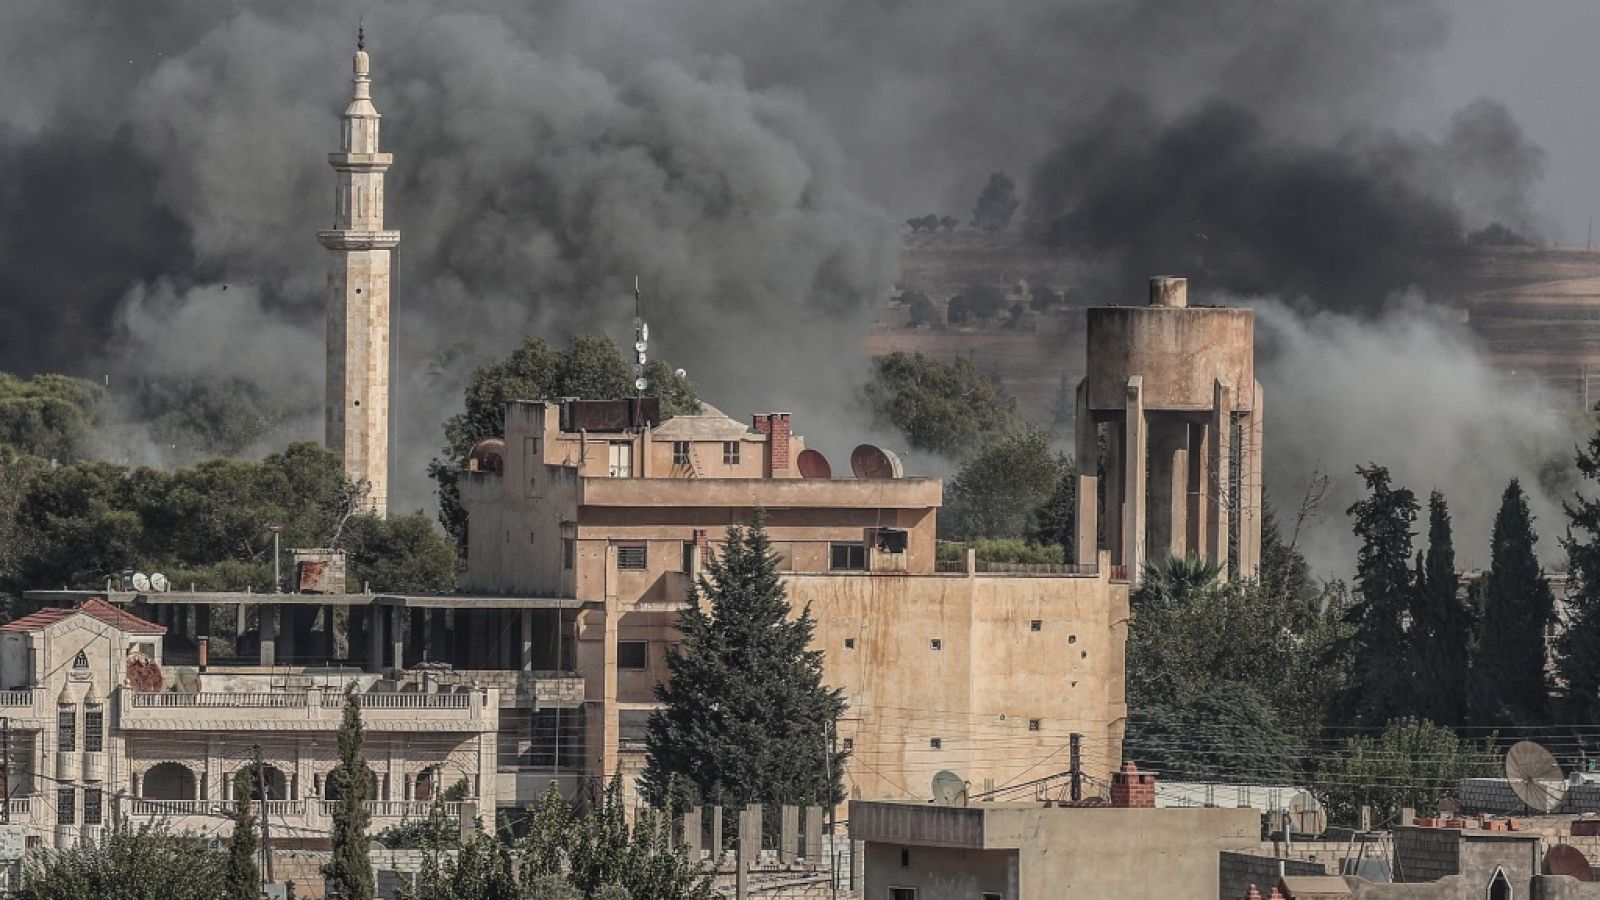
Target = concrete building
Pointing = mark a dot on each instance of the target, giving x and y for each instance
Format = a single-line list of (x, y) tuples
[(357, 414), (103, 725), (1036, 851), (1171, 397), (984, 673)]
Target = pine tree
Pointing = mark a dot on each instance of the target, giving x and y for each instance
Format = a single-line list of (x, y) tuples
[(1509, 668), (1380, 685), (745, 717), (349, 873), (1441, 624), (244, 877), (1578, 650)]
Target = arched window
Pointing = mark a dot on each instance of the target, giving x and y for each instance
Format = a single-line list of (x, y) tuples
[(277, 783), (1499, 886), (169, 781)]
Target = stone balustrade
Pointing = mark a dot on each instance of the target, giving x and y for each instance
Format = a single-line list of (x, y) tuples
[(307, 710)]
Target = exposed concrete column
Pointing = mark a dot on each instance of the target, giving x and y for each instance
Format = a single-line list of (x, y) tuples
[(238, 622), (374, 639), (397, 637), (611, 719), (215, 789), (1199, 512), (526, 620), (1220, 481), (1167, 505), (1133, 520), (267, 630), (1115, 475), (1250, 505), (1087, 459)]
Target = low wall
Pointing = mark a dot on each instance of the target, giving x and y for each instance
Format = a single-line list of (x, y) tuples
[(1238, 871)]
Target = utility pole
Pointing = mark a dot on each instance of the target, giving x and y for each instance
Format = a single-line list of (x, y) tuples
[(5, 761), (261, 788), (1075, 743), (829, 741)]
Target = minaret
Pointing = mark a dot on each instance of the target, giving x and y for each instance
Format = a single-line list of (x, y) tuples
[(358, 298)]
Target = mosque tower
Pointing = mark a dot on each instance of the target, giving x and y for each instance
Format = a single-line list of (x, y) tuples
[(358, 298)]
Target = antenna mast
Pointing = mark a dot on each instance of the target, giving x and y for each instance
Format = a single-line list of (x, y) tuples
[(641, 340)]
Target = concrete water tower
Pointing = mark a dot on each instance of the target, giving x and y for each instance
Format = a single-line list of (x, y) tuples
[(1171, 397)]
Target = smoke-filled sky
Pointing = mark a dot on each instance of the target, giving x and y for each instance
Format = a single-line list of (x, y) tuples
[(163, 170)]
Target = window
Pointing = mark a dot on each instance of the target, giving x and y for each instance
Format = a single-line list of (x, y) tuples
[(991, 895), (533, 537), (621, 459), (1072, 639), (81, 661), (93, 807), (680, 453), (936, 644), (94, 729), (849, 744), (633, 556), (67, 730), (905, 860), (569, 553), (1033, 724), (847, 557), (935, 743), (1035, 625), (900, 893), (688, 556), (849, 643), (730, 453), (633, 655), (66, 806)]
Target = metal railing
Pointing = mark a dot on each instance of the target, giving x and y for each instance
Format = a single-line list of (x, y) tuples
[(1009, 568), (220, 700), (16, 698), (415, 701), (154, 808), (950, 565), (398, 809)]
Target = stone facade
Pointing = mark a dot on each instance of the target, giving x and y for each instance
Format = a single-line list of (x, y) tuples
[(357, 420)]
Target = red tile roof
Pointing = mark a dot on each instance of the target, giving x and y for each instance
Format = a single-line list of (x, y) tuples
[(95, 608)]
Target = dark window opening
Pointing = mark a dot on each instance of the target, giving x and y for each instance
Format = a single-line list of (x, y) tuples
[(66, 806), (93, 806), (633, 556), (847, 557), (67, 730), (936, 743), (569, 553), (94, 730), (634, 655), (1033, 724), (730, 453), (680, 453)]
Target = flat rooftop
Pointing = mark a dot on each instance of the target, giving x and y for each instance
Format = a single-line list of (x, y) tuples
[(231, 598)]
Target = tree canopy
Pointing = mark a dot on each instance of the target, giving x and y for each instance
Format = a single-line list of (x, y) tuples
[(997, 203), (1380, 678), (948, 408), (1578, 648), (1011, 487), (49, 416), (745, 717), (145, 863), (1510, 683)]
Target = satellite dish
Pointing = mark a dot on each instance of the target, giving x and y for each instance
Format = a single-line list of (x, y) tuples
[(949, 789), (1565, 859), (639, 346), (159, 583), (1535, 776), (141, 582), (640, 384), (679, 373), (644, 331), (1306, 815), (868, 461), (813, 464)]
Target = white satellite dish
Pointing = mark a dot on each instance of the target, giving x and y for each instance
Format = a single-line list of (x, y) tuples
[(949, 789), (141, 582), (1306, 815), (159, 583), (644, 331), (640, 384), (680, 373), (639, 346)]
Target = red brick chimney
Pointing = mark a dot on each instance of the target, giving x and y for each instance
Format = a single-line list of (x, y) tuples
[(1276, 895), (1133, 789), (1253, 894), (760, 424), (778, 442), (703, 541)]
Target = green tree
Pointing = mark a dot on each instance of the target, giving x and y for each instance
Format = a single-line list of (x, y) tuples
[(948, 408), (49, 416), (590, 367), (1380, 679), (745, 714), (1002, 488), (997, 203), (976, 303), (147, 863), (481, 870), (1441, 624), (403, 553), (1510, 684), (607, 859), (1055, 521), (1578, 648), (349, 872), (1230, 735), (244, 877), (1411, 764)]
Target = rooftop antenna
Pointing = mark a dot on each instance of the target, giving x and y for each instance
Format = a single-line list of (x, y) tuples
[(361, 33), (641, 340)]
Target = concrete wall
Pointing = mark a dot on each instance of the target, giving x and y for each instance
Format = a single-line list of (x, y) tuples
[(1180, 353), (1238, 871), (940, 873)]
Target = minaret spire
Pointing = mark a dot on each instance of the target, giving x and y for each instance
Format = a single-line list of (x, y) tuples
[(357, 417)]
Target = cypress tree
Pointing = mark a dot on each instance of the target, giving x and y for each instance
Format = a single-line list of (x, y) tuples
[(745, 717), (1380, 686), (244, 877), (1509, 668), (1578, 650), (349, 873), (1441, 624)]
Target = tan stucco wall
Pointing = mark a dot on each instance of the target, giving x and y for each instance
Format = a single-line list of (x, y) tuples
[(940, 873), (1180, 354)]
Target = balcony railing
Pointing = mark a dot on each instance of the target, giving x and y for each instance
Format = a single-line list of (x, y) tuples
[(16, 698), (398, 809), (159, 808), (415, 701), (20, 806), (219, 700)]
